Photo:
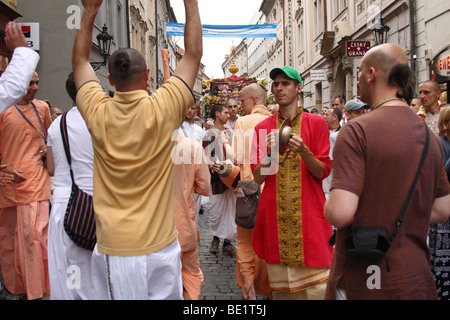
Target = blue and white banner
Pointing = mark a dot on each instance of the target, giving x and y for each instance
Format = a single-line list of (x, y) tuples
[(227, 31)]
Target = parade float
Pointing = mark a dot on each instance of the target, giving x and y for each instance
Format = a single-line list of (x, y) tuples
[(218, 91)]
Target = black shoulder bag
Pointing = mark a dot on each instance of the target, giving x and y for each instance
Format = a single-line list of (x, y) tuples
[(79, 219), (374, 242)]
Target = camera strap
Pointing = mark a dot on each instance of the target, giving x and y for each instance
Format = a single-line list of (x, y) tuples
[(39, 118), (401, 217)]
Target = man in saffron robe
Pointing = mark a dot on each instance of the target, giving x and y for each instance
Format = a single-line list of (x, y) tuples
[(291, 232), (251, 271), (24, 206), (191, 177)]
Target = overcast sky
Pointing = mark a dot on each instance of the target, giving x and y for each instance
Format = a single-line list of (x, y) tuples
[(218, 12)]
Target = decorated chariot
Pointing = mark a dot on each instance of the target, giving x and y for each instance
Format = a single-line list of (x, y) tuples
[(218, 91)]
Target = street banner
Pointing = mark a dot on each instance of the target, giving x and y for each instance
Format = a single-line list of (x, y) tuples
[(227, 31)]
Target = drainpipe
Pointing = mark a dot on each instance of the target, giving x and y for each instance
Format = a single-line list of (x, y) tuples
[(412, 24), (127, 3)]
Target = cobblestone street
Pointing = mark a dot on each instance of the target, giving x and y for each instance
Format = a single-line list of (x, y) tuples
[(219, 270)]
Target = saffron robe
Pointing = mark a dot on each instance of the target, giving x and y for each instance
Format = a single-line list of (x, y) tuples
[(191, 176), (287, 239)]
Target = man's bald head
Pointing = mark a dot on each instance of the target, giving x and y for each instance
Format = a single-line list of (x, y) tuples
[(126, 67), (256, 90), (391, 63), (385, 57)]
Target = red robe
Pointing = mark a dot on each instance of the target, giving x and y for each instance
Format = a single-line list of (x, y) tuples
[(316, 231)]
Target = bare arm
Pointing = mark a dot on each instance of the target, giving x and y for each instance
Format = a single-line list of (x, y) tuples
[(440, 212), (188, 66), (341, 207), (82, 69), (50, 162), (258, 174)]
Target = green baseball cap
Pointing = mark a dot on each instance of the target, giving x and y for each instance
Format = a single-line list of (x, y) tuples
[(288, 71)]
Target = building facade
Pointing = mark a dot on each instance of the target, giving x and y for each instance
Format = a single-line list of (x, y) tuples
[(317, 36), (432, 43), (147, 23), (58, 23), (257, 51)]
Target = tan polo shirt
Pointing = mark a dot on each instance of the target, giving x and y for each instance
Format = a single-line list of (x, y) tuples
[(133, 171)]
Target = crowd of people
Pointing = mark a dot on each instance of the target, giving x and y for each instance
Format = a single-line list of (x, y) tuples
[(149, 167)]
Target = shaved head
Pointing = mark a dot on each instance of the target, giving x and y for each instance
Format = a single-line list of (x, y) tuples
[(256, 90), (126, 67), (384, 57), (392, 70), (433, 84)]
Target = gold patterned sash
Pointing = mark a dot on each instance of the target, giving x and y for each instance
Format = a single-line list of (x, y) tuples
[(289, 215)]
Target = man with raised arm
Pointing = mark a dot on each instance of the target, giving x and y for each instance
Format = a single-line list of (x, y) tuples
[(14, 81), (137, 254)]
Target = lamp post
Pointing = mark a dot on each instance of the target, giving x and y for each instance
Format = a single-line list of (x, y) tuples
[(381, 32), (104, 45)]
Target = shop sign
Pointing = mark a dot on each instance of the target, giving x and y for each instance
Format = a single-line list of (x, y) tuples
[(356, 48), (31, 32), (441, 66), (319, 75)]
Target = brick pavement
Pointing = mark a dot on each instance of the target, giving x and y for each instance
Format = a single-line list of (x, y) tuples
[(219, 271)]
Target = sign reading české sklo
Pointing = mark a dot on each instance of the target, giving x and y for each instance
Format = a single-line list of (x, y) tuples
[(319, 75), (31, 32), (356, 48)]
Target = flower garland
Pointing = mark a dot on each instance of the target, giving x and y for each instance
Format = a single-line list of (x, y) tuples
[(218, 91)]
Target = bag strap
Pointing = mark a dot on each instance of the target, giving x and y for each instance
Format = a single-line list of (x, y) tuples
[(39, 118), (65, 139), (401, 217)]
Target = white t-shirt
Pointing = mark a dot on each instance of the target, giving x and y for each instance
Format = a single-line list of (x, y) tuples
[(191, 130), (82, 156), (326, 183)]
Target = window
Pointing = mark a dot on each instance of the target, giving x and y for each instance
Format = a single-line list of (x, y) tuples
[(338, 7), (318, 17), (300, 37)]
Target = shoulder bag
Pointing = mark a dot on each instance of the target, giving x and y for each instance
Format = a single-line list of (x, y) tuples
[(79, 219), (374, 242), (247, 206)]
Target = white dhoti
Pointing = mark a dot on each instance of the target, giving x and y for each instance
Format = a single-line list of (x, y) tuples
[(69, 265), (155, 276), (222, 214)]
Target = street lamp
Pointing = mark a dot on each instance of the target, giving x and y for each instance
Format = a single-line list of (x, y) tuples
[(104, 45), (381, 32), (307, 94)]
